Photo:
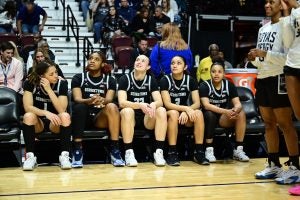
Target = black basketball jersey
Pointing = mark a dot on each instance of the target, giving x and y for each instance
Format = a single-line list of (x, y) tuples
[(138, 91), (221, 97), (93, 85), (179, 90), (41, 99)]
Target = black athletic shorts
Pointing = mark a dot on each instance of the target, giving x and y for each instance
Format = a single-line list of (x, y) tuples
[(271, 92), (139, 119), (290, 71)]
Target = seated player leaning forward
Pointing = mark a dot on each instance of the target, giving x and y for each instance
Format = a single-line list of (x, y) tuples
[(216, 96), (141, 105), (93, 92), (175, 91), (45, 102)]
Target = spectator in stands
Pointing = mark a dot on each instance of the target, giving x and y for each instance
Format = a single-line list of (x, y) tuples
[(167, 10), (215, 95), (126, 12), (28, 18), (175, 90), (113, 25), (16, 53), (141, 49), (28, 50), (11, 74), (172, 44), (203, 71), (44, 45), (142, 24), (8, 17), (100, 9), (228, 65), (85, 4), (41, 55), (141, 105), (149, 4), (159, 20), (45, 102), (269, 86), (173, 5), (93, 92)]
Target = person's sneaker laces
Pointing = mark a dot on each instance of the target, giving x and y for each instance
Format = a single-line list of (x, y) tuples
[(116, 159), (271, 171), (30, 162), (64, 160), (77, 159), (173, 159), (209, 154), (290, 176), (130, 160), (240, 155), (159, 158), (199, 157)]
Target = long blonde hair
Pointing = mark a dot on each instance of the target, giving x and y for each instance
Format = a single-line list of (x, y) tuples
[(171, 37), (16, 52)]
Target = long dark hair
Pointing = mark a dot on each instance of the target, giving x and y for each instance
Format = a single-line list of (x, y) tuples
[(106, 68), (11, 9), (39, 70)]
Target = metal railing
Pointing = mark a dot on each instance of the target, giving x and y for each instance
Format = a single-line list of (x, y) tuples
[(63, 3), (87, 49), (73, 25)]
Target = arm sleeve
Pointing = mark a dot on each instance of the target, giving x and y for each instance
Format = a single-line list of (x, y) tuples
[(155, 61), (112, 85), (203, 90), (232, 90), (193, 84), (123, 83), (164, 84), (18, 77), (287, 31), (63, 89), (76, 81)]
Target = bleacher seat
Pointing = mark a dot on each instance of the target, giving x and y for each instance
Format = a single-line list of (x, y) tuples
[(151, 42), (118, 41), (27, 39), (122, 56), (9, 122)]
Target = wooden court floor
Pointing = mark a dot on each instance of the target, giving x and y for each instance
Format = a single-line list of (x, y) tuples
[(223, 180)]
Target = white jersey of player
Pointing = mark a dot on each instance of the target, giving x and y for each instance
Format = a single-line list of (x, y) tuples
[(291, 33), (270, 39)]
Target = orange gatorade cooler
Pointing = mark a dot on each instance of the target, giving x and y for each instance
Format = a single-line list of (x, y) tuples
[(242, 77)]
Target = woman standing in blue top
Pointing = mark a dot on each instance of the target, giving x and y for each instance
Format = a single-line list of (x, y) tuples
[(172, 45)]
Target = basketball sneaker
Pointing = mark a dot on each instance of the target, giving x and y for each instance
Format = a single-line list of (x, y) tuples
[(30, 162), (240, 155), (271, 171), (209, 154), (64, 160), (295, 190), (290, 176), (130, 160), (173, 159), (199, 157), (159, 158), (116, 159), (77, 159)]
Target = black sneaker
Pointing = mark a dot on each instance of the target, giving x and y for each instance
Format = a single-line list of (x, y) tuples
[(199, 157), (173, 159)]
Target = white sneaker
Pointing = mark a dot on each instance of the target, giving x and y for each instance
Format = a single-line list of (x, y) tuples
[(271, 171), (130, 158), (290, 176), (240, 155), (64, 160), (159, 158), (209, 154), (30, 162)]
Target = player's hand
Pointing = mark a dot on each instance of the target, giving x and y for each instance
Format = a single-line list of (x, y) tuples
[(45, 84), (183, 118), (54, 119)]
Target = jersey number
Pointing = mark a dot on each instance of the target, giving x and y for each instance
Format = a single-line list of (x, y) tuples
[(177, 101), (138, 100)]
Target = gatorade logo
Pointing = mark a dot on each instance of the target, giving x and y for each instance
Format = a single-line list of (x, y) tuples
[(243, 82)]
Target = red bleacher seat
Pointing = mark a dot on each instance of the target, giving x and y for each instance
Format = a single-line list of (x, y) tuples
[(151, 41), (9, 37), (123, 40), (27, 39), (123, 56)]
